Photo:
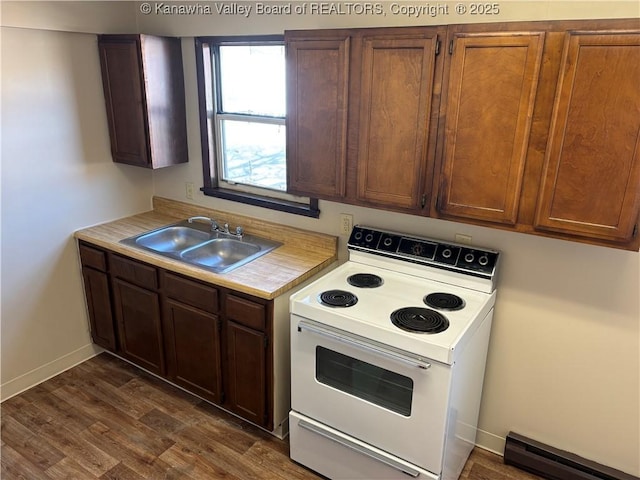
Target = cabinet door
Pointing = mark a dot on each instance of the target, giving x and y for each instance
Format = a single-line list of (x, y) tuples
[(123, 91), (493, 78), (193, 349), (591, 177), (165, 110), (96, 288), (138, 316), (395, 109), (317, 85), (246, 373)]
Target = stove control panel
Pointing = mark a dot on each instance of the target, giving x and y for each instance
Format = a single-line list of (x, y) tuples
[(451, 256)]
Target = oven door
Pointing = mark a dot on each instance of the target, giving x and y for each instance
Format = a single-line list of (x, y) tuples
[(387, 398)]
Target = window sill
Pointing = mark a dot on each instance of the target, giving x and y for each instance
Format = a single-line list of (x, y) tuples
[(310, 210)]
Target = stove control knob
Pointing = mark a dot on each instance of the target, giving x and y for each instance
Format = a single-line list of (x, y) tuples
[(388, 241), (446, 253), (358, 236), (469, 257), (369, 237), (483, 260)]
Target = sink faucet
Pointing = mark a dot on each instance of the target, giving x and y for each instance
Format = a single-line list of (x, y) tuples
[(214, 224), (238, 234)]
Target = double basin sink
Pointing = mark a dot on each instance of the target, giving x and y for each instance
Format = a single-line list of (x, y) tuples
[(199, 245)]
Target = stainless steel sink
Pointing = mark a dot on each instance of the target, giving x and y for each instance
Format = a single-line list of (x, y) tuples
[(222, 253), (197, 244), (172, 239)]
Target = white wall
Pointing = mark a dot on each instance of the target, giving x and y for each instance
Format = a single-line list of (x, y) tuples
[(97, 16), (57, 176), (564, 359), (214, 23)]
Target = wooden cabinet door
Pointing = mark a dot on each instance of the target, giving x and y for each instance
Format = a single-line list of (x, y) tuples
[(165, 107), (144, 92), (395, 109), (96, 287), (493, 78), (138, 315), (193, 349), (246, 367), (591, 177), (123, 90), (317, 96)]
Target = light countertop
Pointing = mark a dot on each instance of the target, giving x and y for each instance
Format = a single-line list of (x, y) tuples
[(302, 255)]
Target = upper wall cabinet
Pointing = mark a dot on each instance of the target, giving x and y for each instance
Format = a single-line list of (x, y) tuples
[(317, 97), (493, 79), (395, 92), (359, 112), (531, 127), (144, 92), (591, 177)]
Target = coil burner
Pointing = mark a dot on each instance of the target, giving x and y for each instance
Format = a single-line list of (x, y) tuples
[(338, 298), (444, 301), (420, 320), (365, 280)]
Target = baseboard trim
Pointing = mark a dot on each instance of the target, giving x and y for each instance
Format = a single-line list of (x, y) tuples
[(47, 371), (490, 442), (555, 464)]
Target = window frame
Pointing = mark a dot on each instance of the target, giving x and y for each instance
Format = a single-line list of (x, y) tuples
[(208, 137)]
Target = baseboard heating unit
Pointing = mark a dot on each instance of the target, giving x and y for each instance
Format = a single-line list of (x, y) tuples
[(554, 464)]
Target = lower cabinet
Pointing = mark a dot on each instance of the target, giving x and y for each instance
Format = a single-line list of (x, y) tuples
[(193, 349), (192, 336), (98, 295), (136, 304), (247, 323), (246, 369), (138, 318), (212, 341)]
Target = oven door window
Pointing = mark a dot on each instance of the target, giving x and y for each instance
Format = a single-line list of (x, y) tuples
[(381, 387)]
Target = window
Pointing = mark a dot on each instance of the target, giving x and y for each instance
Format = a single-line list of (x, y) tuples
[(242, 95)]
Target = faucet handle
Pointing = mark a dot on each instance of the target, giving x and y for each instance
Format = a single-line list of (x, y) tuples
[(239, 231)]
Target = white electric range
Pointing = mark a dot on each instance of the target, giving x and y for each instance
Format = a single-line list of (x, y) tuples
[(387, 358)]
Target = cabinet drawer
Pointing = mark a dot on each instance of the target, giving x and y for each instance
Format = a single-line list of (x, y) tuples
[(246, 312), (191, 293), (92, 257), (135, 272)]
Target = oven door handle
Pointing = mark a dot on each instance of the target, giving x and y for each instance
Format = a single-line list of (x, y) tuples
[(358, 448), (363, 344)]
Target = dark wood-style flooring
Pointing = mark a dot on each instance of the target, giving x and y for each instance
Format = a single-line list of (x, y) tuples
[(106, 419)]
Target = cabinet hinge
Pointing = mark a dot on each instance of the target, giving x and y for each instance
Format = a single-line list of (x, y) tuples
[(635, 230), (438, 42), (451, 47), (423, 202), (266, 342)]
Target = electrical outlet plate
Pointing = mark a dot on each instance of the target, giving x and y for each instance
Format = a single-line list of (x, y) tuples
[(188, 190), (346, 223), (464, 239)]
